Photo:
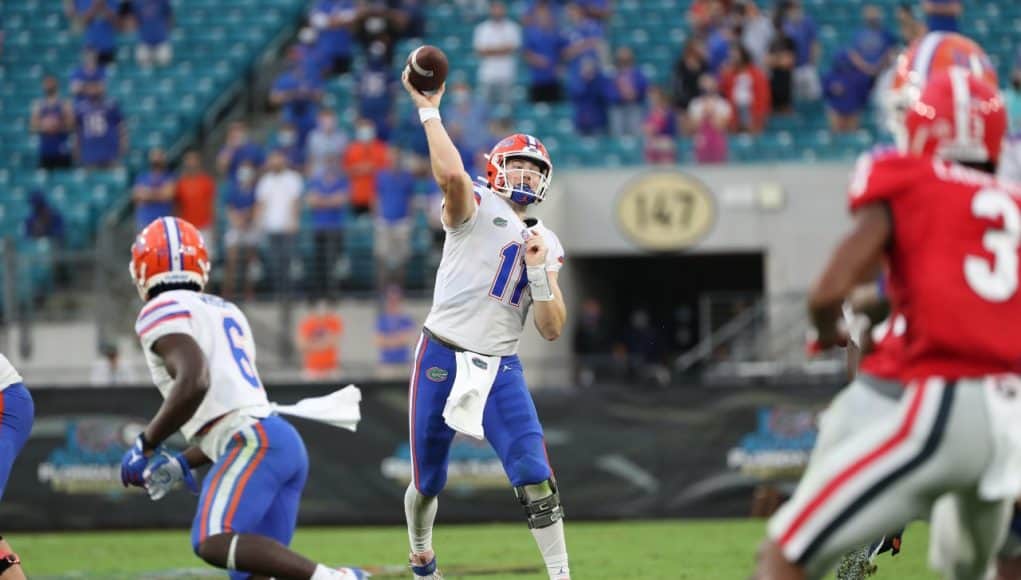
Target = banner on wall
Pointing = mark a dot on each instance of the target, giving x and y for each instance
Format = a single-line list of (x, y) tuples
[(617, 453)]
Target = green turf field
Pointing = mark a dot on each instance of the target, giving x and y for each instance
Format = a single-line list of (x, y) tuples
[(702, 550)]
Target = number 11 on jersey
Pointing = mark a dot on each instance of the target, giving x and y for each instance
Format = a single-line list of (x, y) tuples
[(509, 260)]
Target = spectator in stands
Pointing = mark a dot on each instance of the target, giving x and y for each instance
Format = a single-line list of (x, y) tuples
[(99, 20), (660, 129), (326, 143), (703, 16), (333, 20), (237, 149), (846, 91), (101, 134), (708, 117), (242, 236), (375, 91), (627, 95), (870, 52), (377, 24), (910, 27), (319, 334), (747, 89), (719, 46), (585, 39), (542, 45), (154, 19), (592, 343), (803, 30), (109, 370), (395, 190), (43, 220), (756, 30), (466, 118), (286, 139), (496, 42), (196, 197), (277, 212), (781, 62), (395, 335), (688, 69), (153, 192), (327, 198), (410, 17), (364, 158), (298, 94), (85, 79), (309, 55), (53, 120), (942, 15), (590, 90)]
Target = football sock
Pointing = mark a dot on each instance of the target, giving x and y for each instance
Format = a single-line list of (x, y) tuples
[(554, 549), (420, 512)]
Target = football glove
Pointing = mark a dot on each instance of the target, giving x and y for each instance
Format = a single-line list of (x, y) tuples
[(133, 463), (165, 471)]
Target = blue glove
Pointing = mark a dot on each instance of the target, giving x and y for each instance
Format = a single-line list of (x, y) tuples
[(164, 472), (133, 464)]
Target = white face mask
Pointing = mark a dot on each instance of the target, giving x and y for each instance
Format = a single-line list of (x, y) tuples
[(365, 134)]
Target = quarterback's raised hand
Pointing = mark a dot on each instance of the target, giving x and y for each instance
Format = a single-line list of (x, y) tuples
[(421, 100)]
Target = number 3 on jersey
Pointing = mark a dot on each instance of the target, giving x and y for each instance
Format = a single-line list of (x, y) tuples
[(508, 261), (238, 348), (995, 281)]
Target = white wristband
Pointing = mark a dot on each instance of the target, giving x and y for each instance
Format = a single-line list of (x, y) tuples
[(427, 113), (538, 283)]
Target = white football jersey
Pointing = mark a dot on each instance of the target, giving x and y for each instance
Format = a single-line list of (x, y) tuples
[(482, 297), (8, 376), (222, 332)]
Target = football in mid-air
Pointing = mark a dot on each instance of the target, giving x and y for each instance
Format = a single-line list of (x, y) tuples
[(427, 68)]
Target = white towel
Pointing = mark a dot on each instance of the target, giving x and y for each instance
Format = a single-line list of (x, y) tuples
[(467, 399), (339, 408)]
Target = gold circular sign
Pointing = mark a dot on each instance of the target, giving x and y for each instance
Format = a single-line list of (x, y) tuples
[(665, 210)]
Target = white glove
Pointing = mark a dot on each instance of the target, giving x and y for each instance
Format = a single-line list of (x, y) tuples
[(164, 472)]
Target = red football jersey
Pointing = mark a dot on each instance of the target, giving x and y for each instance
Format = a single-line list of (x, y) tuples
[(953, 262)]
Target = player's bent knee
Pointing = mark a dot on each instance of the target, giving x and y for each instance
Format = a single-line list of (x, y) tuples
[(541, 502), (213, 549)]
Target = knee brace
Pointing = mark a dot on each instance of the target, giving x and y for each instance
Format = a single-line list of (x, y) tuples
[(541, 502)]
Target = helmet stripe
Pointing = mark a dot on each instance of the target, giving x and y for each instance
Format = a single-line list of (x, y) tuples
[(962, 103), (926, 52), (173, 242)]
